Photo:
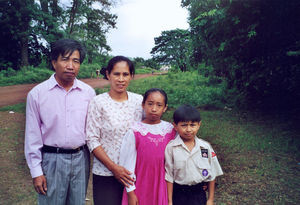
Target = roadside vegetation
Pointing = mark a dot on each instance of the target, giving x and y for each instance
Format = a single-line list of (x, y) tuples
[(259, 153), (32, 74)]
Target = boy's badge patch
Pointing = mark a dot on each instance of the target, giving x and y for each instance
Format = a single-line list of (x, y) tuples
[(204, 153), (204, 172), (213, 154)]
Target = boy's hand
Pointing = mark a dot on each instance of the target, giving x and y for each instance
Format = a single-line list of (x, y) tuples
[(210, 202)]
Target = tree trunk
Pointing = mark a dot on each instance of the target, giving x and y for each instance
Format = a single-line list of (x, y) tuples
[(72, 16), (24, 51)]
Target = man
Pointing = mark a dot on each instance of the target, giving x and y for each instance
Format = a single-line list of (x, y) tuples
[(55, 137)]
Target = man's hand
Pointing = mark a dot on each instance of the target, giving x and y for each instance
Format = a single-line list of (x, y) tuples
[(40, 184), (122, 175)]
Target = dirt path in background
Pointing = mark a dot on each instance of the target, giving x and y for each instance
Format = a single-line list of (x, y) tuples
[(14, 94)]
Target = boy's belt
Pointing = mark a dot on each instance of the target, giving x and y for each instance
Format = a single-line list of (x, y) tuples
[(50, 149), (187, 188)]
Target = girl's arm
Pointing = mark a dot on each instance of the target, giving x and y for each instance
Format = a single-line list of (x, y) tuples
[(170, 192), (211, 192), (128, 157), (132, 199)]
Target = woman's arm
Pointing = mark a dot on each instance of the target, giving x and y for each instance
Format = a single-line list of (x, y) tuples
[(119, 172), (94, 121)]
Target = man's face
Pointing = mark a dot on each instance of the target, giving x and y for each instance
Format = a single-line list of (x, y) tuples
[(66, 68)]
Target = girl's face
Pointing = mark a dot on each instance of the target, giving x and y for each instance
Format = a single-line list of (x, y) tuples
[(119, 77), (154, 107)]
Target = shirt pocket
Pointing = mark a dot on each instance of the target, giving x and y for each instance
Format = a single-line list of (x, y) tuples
[(203, 167)]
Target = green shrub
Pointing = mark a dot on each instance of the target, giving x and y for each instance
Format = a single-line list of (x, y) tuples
[(182, 88), (145, 70)]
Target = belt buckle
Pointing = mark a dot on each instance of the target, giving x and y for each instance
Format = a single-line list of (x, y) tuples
[(77, 149)]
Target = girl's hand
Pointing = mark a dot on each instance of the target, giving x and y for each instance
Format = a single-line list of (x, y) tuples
[(122, 175), (132, 199)]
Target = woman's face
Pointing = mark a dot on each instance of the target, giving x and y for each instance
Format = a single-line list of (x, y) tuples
[(119, 77)]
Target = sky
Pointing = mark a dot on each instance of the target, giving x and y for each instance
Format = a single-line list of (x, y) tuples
[(140, 21)]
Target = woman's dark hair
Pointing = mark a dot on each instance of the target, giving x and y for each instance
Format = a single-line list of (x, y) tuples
[(66, 46), (186, 113), (113, 62), (153, 90)]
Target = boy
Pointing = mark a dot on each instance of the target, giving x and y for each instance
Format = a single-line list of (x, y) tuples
[(189, 161)]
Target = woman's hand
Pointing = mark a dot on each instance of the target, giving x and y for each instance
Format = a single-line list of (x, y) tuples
[(122, 175), (132, 199)]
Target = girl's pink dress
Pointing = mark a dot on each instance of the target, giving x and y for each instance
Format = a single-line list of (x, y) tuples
[(149, 143)]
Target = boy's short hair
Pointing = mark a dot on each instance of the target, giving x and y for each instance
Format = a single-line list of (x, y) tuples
[(186, 113)]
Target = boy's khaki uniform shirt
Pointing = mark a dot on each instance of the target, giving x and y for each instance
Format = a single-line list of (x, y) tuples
[(190, 167)]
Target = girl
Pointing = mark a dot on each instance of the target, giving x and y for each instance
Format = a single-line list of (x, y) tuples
[(110, 115), (142, 152)]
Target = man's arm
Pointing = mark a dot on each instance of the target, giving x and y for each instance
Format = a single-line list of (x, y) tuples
[(33, 144), (211, 192)]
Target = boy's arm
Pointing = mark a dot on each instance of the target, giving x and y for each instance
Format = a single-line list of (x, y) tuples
[(211, 192), (170, 192), (169, 177)]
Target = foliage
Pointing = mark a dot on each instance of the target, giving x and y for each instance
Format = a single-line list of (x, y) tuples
[(27, 74), (171, 48), (89, 21), (182, 88), (253, 45), (32, 74), (28, 27), (150, 63)]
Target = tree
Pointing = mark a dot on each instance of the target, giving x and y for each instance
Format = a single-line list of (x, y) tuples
[(248, 43), (16, 30), (29, 26), (89, 21), (172, 47)]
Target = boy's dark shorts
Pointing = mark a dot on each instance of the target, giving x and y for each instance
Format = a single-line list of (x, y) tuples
[(189, 195)]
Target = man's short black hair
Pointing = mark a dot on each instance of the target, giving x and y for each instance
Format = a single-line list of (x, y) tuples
[(186, 113), (66, 46)]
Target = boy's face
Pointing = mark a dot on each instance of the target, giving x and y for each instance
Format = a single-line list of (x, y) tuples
[(187, 130)]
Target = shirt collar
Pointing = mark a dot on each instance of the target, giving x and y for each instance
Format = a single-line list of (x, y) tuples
[(179, 142), (53, 83)]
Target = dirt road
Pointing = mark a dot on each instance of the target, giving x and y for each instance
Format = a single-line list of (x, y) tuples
[(14, 94)]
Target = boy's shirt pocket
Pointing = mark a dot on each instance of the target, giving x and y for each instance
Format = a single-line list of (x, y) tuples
[(202, 167)]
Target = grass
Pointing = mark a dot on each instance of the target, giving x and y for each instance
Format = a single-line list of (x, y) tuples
[(15, 108), (259, 154)]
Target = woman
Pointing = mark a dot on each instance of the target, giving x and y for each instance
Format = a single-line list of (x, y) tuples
[(110, 115)]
